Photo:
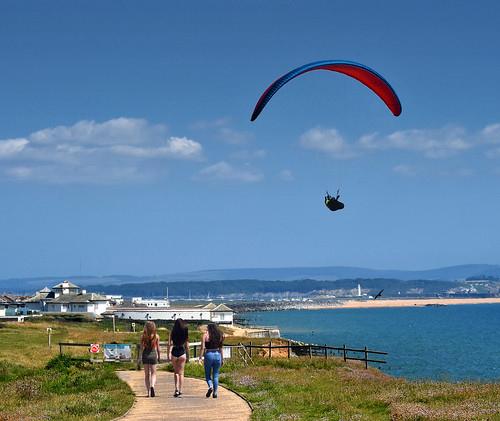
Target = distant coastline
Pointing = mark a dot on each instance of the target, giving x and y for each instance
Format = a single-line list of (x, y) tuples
[(422, 302), (351, 303)]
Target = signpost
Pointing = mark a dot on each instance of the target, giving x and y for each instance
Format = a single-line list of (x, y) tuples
[(49, 333), (117, 352)]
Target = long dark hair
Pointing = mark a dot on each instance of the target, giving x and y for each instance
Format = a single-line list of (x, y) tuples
[(179, 333), (215, 335)]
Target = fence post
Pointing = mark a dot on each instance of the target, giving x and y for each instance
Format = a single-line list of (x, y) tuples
[(60, 349), (310, 351), (194, 351), (288, 349), (345, 356), (138, 350), (250, 349), (326, 352), (366, 358), (270, 344)]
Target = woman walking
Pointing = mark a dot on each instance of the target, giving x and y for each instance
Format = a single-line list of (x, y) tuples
[(150, 350), (178, 350), (211, 351)]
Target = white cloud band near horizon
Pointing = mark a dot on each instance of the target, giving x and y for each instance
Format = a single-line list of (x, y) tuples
[(438, 143), (114, 150)]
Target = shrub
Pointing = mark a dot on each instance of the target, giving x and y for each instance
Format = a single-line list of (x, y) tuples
[(64, 362), (10, 371)]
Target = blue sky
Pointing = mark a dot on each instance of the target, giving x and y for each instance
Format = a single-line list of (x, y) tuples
[(126, 144)]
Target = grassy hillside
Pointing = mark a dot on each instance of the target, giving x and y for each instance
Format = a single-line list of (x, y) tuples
[(318, 389), (35, 383)]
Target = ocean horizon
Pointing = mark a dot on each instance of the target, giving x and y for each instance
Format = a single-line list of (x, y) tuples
[(448, 343)]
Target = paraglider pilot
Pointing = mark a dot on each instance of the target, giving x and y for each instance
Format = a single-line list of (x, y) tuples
[(333, 203)]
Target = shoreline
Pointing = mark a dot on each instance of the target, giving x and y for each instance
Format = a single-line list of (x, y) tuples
[(353, 303), (419, 302)]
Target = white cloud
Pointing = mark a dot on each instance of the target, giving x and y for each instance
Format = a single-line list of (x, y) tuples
[(224, 171), (12, 147), (115, 150), (328, 141), (175, 147), (438, 143), (19, 172), (491, 133), (115, 131), (432, 143)]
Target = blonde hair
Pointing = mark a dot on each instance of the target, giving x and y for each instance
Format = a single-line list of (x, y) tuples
[(149, 335)]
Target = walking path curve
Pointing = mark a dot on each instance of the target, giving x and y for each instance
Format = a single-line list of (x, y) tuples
[(192, 406)]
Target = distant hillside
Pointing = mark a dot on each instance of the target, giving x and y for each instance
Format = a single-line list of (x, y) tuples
[(327, 273), (450, 273), (252, 287)]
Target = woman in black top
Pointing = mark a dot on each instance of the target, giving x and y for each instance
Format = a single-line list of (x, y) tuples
[(178, 349), (213, 357)]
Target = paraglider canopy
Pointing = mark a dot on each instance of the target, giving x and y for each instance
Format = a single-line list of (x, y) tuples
[(333, 203), (360, 72)]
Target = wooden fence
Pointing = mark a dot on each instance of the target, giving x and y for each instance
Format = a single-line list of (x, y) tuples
[(292, 349), (310, 350)]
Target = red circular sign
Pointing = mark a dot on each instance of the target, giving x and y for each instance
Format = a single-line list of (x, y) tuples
[(94, 348)]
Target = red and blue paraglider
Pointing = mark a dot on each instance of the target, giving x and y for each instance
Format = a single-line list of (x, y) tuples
[(368, 77)]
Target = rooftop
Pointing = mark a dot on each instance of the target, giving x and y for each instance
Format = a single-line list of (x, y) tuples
[(78, 298), (41, 295), (65, 284)]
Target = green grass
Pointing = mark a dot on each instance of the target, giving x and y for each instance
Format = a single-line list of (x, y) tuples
[(35, 383), (304, 389), (65, 389)]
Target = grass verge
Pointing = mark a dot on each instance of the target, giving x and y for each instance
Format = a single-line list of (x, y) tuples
[(304, 389)]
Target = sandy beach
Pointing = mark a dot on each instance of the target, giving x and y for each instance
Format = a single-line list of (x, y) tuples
[(405, 303)]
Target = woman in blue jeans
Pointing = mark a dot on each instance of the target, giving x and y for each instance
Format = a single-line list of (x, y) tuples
[(211, 351)]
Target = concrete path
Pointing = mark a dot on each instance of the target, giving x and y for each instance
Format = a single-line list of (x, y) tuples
[(193, 405)]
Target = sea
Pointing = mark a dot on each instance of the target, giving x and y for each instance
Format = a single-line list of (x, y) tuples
[(446, 343)]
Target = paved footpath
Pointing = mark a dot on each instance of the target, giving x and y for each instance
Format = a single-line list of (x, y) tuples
[(193, 405)]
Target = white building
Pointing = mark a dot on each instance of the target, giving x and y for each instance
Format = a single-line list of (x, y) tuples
[(211, 313), (66, 297), (11, 305), (115, 299), (150, 302), (66, 288), (79, 303), (39, 301)]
